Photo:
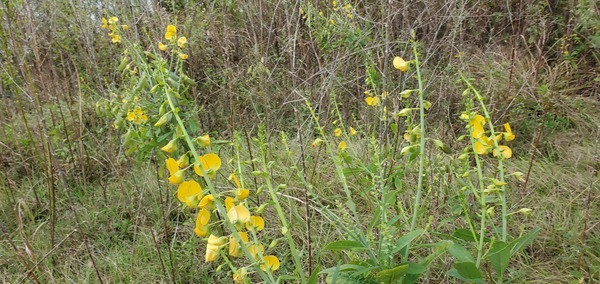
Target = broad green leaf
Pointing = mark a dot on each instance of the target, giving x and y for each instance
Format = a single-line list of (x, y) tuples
[(499, 255), (406, 239), (523, 241), (460, 253), (468, 270), (454, 273), (392, 275), (466, 235), (415, 268), (314, 276), (345, 244)]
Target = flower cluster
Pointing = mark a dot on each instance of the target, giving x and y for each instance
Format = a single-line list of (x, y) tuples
[(111, 24), (176, 44), (137, 115), (484, 144)]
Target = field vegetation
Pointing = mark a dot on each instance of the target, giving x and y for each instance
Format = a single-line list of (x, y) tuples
[(185, 141)]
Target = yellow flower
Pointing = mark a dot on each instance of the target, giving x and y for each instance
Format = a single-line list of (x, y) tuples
[(271, 262), (239, 214), (400, 64), (373, 101), (171, 33), (203, 141), (162, 46), (239, 276), (229, 202), (337, 132), (115, 38), (213, 246), (113, 20), (477, 123), (104, 23), (125, 27), (235, 249), (241, 193), (508, 135), (176, 175), (385, 94), (183, 56), (352, 131), (505, 150), (189, 192), (181, 42), (183, 161), (170, 147), (331, 22), (342, 146), (317, 142), (202, 219), (210, 163), (207, 202), (256, 222), (255, 248)]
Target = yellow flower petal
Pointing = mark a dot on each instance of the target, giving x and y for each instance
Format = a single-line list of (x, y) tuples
[(256, 222), (171, 32), (506, 151), (373, 101), (481, 148), (400, 64), (271, 262), (229, 203), (172, 166), (183, 56), (170, 147), (202, 231), (162, 46), (189, 192), (508, 135), (207, 202), (239, 276), (181, 42), (235, 249), (241, 194), (352, 131), (212, 248), (210, 164), (254, 249), (177, 177), (239, 214), (202, 218), (342, 146), (203, 141), (337, 132)]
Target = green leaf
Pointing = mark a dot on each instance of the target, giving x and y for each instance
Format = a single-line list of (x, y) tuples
[(460, 253), (406, 239), (314, 276), (353, 171), (345, 244), (415, 268), (392, 275), (468, 270), (523, 241), (499, 256), (466, 235), (454, 273), (347, 278)]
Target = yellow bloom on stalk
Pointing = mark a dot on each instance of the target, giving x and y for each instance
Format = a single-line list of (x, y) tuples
[(181, 42), (352, 131), (176, 175), (202, 219), (239, 214), (203, 141), (505, 150), (210, 163), (171, 33), (125, 27), (256, 222), (170, 147), (235, 249), (162, 46), (241, 193), (183, 56), (183, 161), (115, 38), (213, 246), (373, 101), (207, 202), (342, 146), (271, 262), (113, 20), (104, 23), (317, 142), (400, 64), (508, 135), (337, 132), (477, 123), (189, 193)]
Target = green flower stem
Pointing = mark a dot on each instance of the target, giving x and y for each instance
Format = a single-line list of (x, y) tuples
[(500, 158), (413, 222), (481, 203), (220, 208)]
